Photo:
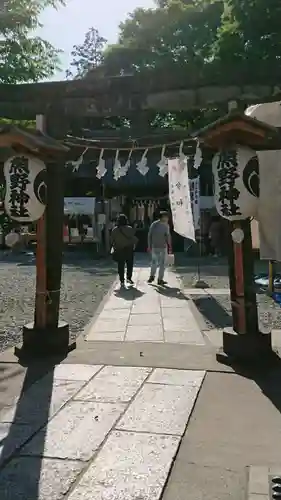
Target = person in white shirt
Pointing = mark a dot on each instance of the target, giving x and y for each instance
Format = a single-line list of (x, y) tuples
[(159, 240)]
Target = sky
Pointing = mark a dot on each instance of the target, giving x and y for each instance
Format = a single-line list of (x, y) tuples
[(67, 26)]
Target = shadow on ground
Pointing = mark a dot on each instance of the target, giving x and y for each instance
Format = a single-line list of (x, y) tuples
[(129, 294), (172, 292), (267, 375), (212, 311), (270, 384), (20, 475)]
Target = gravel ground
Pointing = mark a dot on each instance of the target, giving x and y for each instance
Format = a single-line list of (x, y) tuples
[(215, 311), (213, 271), (84, 284)]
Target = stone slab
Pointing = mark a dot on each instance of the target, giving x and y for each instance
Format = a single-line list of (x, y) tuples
[(147, 299), (180, 324), (167, 376), (276, 338), (160, 409), (214, 336), (110, 325), (67, 371), (12, 437), (274, 470), (215, 438), (106, 336), (175, 303), (184, 337), (183, 313), (189, 481), (114, 384), (139, 315), (76, 432), (253, 496), (149, 308), (145, 320), (41, 401), (30, 478), (172, 278), (114, 314), (144, 334), (117, 303), (129, 467), (258, 480)]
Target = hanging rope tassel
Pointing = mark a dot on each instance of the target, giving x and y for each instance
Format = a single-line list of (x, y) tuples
[(142, 165), (163, 163), (125, 168), (101, 170), (117, 167)]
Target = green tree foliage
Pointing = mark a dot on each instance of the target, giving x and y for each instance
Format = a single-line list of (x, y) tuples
[(175, 37), (213, 38), (204, 40), (249, 35), (209, 40), (87, 56), (25, 57), (169, 37)]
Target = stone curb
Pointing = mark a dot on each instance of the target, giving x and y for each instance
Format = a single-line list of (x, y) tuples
[(259, 481)]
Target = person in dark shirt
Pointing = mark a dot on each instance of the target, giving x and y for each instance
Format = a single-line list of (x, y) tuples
[(123, 241)]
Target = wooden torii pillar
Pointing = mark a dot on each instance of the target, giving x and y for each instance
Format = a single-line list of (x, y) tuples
[(244, 341), (45, 336)]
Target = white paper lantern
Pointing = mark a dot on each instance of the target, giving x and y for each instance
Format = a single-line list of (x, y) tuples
[(236, 183), (25, 197), (237, 235), (269, 208)]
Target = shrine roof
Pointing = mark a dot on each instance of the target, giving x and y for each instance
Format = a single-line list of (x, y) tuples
[(237, 128), (29, 140)]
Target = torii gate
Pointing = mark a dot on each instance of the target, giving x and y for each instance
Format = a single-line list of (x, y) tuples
[(152, 90), (127, 96)]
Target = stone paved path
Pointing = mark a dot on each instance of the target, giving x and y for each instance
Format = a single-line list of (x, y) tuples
[(95, 432), (89, 430), (147, 313)]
